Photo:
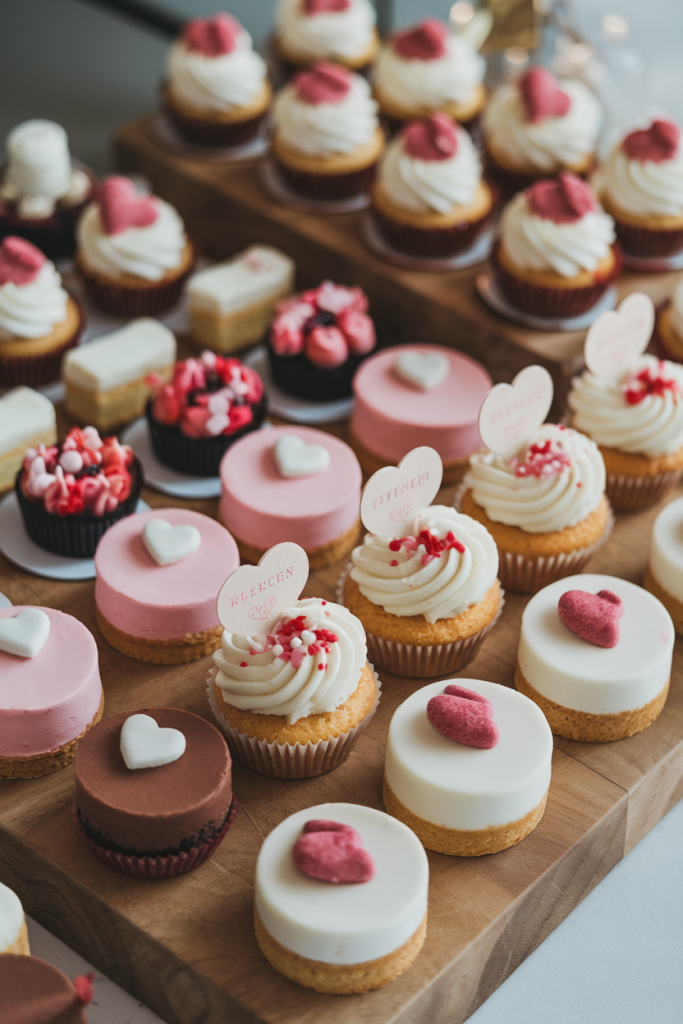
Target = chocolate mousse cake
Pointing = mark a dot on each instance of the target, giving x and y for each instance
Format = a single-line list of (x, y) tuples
[(32, 991)]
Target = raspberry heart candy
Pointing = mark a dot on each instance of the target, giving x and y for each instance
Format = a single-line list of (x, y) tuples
[(212, 37), (435, 138), (659, 142), (324, 83), (313, 7), (464, 716), (593, 617), (541, 95), (121, 206), (563, 200), (426, 41), (332, 852), (20, 262)]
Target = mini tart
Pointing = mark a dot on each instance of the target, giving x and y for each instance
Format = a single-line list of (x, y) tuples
[(217, 128), (292, 62), (590, 693), (465, 114), (13, 932), (342, 176), (664, 573), (35, 992), (36, 361), (131, 296), (667, 341), (653, 237), (512, 178)]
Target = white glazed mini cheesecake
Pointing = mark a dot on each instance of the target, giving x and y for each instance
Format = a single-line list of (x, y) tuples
[(342, 937), (27, 419), (598, 664), (664, 573), (13, 934), (232, 303), (106, 380), (467, 800)]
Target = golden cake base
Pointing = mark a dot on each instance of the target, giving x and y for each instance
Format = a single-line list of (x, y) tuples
[(43, 764), (671, 603), (551, 279), (190, 647), (461, 112), (60, 335), (230, 115), (230, 332), (318, 557), (672, 343), (11, 461), (453, 472), (107, 410), (20, 946)]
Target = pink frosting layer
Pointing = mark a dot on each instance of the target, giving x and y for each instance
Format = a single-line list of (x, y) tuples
[(48, 700), (391, 417), (263, 508), (162, 602)]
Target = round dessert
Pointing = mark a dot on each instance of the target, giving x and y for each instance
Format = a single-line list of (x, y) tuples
[(42, 192), (35, 992), (425, 70), (426, 600), (210, 403), (595, 655), (350, 930), (327, 138), (318, 340), (410, 396), (13, 933), (154, 791), (668, 334), (555, 256), (70, 494), (537, 126), (158, 577), (546, 509), (664, 573), (291, 484), (293, 703), (342, 31), (217, 91), (638, 425), (429, 198), (643, 191), (468, 766), (133, 253), (50, 689)]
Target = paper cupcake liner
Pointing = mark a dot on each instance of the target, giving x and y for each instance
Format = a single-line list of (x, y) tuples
[(148, 300), (327, 186), (213, 134), (75, 536), (290, 760), (511, 182), (36, 370), (393, 125), (55, 236), (168, 866), (628, 493), (430, 243), (648, 243)]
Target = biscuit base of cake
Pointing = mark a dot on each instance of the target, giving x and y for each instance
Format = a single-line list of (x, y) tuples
[(671, 603), (370, 462), (230, 332), (339, 979), (462, 843), (44, 764), (108, 410), (580, 725), (177, 651), (20, 946), (318, 558)]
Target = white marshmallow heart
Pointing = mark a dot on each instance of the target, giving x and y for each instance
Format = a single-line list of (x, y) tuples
[(168, 544), (424, 370), (144, 744), (296, 458), (24, 634)]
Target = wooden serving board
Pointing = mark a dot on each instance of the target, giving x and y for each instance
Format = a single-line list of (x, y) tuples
[(227, 210)]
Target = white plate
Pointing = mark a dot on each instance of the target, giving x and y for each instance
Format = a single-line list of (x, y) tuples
[(163, 478), (275, 187), (5, 601), (477, 252), (654, 266), (165, 134), (289, 407), (494, 297), (17, 546)]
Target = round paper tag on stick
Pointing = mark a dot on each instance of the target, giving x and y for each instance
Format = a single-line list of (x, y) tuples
[(511, 414), (393, 495), (617, 338), (253, 597)]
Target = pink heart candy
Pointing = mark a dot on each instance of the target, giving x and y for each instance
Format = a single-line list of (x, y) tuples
[(121, 206), (313, 7), (20, 262), (435, 138), (324, 83), (563, 200), (464, 716), (426, 41), (541, 95), (593, 617), (212, 37), (657, 143), (332, 852)]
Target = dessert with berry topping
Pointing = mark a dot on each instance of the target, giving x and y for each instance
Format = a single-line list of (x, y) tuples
[(71, 493), (318, 340), (27, 420), (210, 403), (35, 992), (342, 31)]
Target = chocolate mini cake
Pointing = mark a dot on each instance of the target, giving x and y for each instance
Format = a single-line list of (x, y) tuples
[(32, 991)]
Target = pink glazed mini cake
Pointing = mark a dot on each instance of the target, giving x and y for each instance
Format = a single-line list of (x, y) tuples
[(417, 395), (291, 484), (50, 689), (158, 577)]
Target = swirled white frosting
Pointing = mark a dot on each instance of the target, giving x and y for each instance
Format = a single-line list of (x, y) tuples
[(536, 243), (643, 187), (33, 310), (676, 309), (268, 684), (424, 186), (653, 426), (324, 129), (409, 581), (216, 83), (339, 34), (429, 84), (552, 142), (148, 252), (545, 503)]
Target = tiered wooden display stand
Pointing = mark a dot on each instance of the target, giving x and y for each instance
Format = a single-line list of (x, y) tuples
[(186, 946)]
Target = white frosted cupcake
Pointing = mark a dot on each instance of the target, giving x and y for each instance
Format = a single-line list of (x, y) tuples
[(13, 933), (342, 31), (664, 573)]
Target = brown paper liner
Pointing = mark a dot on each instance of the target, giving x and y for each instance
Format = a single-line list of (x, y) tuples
[(327, 186), (169, 866), (511, 182), (290, 760), (430, 243), (212, 134), (36, 370), (628, 493), (648, 243), (148, 300)]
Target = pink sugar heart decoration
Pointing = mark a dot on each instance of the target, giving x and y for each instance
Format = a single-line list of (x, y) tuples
[(121, 206), (463, 716), (323, 83), (313, 7), (332, 852), (426, 41), (212, 37), (20, 262), (563, 200), (593, 617), (435, 138), (85, 988), (659, 142), (541, 95)]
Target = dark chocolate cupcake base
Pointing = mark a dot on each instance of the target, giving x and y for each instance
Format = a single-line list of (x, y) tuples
[(296, 375), (55, 236)]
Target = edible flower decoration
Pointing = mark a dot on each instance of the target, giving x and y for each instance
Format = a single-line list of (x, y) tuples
[(327, 324)]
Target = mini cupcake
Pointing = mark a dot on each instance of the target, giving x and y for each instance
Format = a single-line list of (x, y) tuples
[(538, 126), (42, 194), (546, 509), (555, 257), (429, 198), (70, 494), (668, 335), (664, 573), (327, 137), (50, 690), (318, 340), (133, 253), (426, 600), (217, 91), (27, 420), (293, 704), (154, 792), (210, 403), (35, 992), (39, 320), (426, 70), (643, 191), (342, 31), (638, 425), (13, 933)]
